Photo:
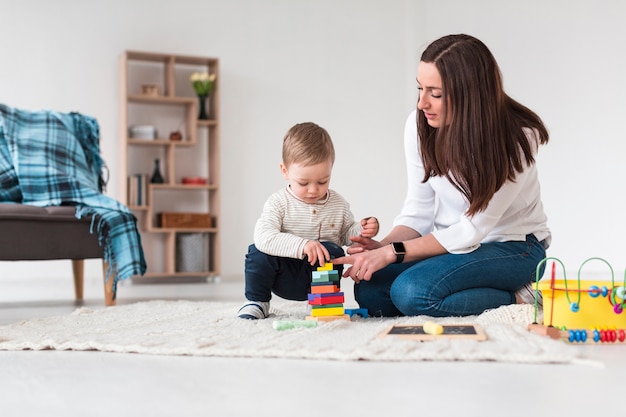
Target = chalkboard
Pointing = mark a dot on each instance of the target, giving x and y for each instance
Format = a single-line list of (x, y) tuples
[(452, 331)]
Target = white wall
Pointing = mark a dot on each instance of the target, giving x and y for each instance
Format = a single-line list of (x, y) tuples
[(348, 65)]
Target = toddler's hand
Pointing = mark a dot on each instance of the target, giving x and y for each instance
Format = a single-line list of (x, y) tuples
[(370, 227), (316, 252)]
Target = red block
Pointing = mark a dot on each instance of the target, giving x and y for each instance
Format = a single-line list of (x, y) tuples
[(323, 299)]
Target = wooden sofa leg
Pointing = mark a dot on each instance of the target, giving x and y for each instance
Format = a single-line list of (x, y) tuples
[(78, 270), (109, 295)]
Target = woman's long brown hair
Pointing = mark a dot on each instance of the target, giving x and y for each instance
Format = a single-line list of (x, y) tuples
[(482, 143)]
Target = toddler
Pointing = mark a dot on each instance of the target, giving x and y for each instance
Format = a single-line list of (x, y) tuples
[(302, 226)]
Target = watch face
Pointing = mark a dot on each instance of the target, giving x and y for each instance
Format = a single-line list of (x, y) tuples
[(398, 247)]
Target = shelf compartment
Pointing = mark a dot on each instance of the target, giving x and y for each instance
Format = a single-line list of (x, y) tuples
[(183, 229), (178, 277), (145, 98), (159, 142), (187, 187)]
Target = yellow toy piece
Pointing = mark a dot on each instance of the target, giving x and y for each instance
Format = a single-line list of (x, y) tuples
[(328, 311), (328, 266), (430, 327)]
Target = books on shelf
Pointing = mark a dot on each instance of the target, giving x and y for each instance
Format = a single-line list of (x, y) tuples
[(137, 190)]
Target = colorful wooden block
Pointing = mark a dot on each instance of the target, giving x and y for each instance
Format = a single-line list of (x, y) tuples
[(324, 299), (325, 276), (319, 276), (318, 301), (328, 266), (324, 289), (327, 306), (356, 312), (333, 275), (327, 311)]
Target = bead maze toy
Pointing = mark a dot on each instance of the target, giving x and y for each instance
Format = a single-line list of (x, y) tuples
[(584, 311)]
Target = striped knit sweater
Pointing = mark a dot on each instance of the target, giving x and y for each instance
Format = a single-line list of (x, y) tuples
[(288, 223)]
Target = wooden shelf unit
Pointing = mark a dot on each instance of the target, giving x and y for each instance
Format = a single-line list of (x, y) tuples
[(174, 108)]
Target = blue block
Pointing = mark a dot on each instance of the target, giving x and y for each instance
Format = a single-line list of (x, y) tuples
[(356, 311)]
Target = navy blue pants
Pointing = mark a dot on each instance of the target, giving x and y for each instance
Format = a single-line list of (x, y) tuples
[(288, 278)]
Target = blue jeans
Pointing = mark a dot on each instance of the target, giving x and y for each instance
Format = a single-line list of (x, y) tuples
[(288, 278), (453, 284)]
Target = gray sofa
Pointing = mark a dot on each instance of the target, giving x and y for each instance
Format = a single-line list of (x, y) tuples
[(29, 233)]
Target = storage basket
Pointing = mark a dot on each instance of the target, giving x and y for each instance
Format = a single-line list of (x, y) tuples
[(192, 252)]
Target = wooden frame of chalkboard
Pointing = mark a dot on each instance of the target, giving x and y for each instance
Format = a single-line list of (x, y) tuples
[(450, 331)]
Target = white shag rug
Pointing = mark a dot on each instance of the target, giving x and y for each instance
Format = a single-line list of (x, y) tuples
[(212, 329)]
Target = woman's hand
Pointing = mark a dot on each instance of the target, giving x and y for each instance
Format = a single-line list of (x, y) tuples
[(368, 256), (362, 244), (366, 262)]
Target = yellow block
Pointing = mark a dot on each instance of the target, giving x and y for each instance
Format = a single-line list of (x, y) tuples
[(328, 266), (593, 312), (330, 311)]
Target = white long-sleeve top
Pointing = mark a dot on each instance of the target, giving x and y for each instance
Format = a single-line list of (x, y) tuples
[(288, 223), (437, 207)]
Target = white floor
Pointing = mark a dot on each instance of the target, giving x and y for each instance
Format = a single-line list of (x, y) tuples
[(103, 384)]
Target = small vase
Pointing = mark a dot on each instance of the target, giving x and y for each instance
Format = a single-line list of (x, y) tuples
[(156, 178), (202, 115)]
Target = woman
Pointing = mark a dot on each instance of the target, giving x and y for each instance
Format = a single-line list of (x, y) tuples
[(472, 230)]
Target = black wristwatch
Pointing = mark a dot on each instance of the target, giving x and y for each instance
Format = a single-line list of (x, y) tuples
[(398, 249)]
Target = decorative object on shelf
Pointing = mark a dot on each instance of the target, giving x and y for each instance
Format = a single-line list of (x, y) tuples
[(202, 114), (194, 181), (176, 136), (157, 178), (185, 220), (150, 90), (142, 132), (137, 190), (203, 84), (192, 251)]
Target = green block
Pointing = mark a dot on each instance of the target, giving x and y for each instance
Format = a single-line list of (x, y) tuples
[(292, 324)]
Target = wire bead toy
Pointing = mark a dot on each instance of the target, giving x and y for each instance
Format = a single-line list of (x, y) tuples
[(607, 329)]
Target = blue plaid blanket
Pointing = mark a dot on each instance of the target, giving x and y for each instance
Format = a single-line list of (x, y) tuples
[(49, 158)]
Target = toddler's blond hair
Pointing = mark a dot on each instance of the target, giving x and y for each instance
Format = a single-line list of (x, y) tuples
[(307, 144)]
